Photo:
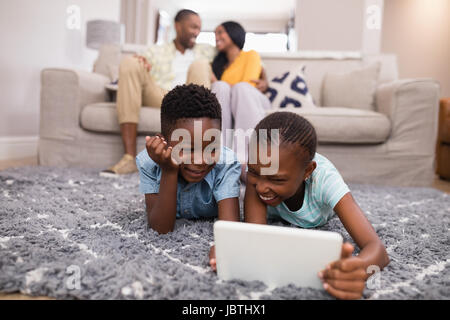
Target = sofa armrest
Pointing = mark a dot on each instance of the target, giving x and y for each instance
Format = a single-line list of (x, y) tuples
[(412, 107), (64, 93)]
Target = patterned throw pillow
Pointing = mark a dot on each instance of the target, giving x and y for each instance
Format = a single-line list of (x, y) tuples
[(289, 90)]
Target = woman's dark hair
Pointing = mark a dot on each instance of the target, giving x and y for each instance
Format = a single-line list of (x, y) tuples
[(293, 129), (237, 34), (188, 101)]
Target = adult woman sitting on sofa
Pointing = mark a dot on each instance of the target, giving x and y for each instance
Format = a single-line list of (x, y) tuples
[(235, 74)]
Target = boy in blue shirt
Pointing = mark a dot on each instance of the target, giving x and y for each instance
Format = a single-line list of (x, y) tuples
[(190, 177)]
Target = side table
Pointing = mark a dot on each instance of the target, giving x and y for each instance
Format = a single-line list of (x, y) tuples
[(443, 141)]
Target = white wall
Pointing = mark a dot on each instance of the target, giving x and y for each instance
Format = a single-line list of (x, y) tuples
[(344, 25), (418, 32), (329, 24), (34, 36)]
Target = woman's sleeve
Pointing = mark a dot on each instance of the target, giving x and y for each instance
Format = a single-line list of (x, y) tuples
[(252, 67)]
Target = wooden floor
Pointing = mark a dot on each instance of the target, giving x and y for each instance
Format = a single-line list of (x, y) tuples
[(443, 185), (19, 296), (5, 164)]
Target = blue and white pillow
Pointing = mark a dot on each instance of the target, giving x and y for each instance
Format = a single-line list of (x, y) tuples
[(289, 90)]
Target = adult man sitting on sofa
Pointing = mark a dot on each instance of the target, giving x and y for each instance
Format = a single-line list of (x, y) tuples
[(145, 79)]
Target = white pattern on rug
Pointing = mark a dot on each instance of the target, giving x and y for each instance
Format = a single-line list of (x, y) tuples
[(53, 218)]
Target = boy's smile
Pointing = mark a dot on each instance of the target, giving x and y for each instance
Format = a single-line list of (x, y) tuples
[(193, 174), (191, 169)]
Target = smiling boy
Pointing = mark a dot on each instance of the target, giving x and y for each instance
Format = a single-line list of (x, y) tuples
[(202, 179)]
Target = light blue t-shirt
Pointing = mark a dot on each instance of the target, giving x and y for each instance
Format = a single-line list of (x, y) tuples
[(195, 200), (323, 190)]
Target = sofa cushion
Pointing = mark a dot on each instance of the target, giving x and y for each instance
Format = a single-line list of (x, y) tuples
[(289, 89), (102, 117), (346, 125), (355, 89)]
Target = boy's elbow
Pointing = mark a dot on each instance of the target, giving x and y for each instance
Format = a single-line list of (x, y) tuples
[(158, 228), (163, 230), (386, 260), (385, 257)]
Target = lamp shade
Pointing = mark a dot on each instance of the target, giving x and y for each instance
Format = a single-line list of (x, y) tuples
[(101, 32)]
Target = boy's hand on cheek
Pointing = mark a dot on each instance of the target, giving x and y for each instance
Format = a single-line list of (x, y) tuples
[(345, 278), (212, 258), (160, 152)]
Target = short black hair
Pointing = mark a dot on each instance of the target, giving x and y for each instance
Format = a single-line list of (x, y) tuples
[(188, 101), (184, 13), (293, 129)]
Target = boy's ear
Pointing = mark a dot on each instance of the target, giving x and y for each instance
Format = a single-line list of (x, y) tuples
[(312, 165)]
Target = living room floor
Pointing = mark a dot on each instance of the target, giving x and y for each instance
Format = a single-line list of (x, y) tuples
[(443, 185)]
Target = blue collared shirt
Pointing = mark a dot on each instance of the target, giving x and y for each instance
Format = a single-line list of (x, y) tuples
[(195, 200)]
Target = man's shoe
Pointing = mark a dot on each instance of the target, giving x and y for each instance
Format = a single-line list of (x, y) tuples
[(126, 165)]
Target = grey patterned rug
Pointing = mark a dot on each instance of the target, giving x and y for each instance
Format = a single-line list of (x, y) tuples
[(68, 233)]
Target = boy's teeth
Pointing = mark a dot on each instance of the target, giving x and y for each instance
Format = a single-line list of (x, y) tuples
[(266, 198), (196, 171)]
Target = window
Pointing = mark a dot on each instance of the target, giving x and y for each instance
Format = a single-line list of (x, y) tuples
[(261, 42)]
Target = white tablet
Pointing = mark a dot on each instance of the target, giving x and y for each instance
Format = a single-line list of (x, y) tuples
[(274, 255)]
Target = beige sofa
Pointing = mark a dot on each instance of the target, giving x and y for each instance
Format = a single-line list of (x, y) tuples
[(393, 144)]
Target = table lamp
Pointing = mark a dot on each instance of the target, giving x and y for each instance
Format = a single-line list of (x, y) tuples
[(100, 32)]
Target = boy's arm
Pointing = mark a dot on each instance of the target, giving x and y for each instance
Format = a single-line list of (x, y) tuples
[(345, 278), (255, 211), (229, 209), (162, 207)]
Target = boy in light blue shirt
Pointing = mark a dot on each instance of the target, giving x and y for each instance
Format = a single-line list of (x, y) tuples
[(184, 172)]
